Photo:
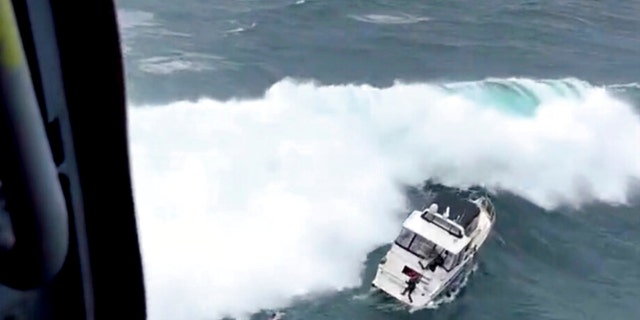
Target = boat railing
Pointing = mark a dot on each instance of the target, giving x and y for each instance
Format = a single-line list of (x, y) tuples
[(488, 206)]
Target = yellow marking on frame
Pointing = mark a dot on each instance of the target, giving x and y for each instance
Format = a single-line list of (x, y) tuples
[(10, 46)]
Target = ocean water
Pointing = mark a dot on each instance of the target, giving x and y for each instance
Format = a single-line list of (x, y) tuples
[(276, 147)]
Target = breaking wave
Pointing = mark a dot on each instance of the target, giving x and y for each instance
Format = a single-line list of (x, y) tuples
[(246, 204)]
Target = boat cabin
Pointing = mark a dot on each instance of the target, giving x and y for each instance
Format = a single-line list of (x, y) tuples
[(441, 234)]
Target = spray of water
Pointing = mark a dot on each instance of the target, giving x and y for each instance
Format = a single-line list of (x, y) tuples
[(245, 204)]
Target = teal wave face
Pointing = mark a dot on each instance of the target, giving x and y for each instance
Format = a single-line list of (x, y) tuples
[(519, 96)]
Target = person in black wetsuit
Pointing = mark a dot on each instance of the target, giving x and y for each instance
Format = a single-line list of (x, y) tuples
[(438, 261), (411, 285)]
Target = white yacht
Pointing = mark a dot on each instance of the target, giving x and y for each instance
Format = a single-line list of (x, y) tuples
[(436, 247)]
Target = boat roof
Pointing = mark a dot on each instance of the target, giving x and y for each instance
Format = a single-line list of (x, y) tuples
[(435, 234), (461, 210)]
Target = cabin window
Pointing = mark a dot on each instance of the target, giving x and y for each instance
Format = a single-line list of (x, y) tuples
[(423, 247), (416, 244), (404, 238)]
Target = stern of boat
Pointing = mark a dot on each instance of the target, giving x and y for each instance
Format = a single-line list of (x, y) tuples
[(393, 283)]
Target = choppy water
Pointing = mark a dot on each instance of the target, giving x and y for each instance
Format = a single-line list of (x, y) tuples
[(272, 143)]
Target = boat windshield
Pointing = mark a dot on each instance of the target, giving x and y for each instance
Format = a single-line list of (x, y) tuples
[(443, 223), (417, 244)]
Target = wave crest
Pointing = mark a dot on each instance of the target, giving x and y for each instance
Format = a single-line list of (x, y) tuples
[(245, 204)]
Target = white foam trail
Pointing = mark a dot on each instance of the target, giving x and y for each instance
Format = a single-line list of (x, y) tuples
[(243, 205), (389, 19)]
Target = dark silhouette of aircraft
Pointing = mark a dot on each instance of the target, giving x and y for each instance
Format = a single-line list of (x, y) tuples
[(68, 238)]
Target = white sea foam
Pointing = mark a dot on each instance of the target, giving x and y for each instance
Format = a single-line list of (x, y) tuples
[(243, 205)]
